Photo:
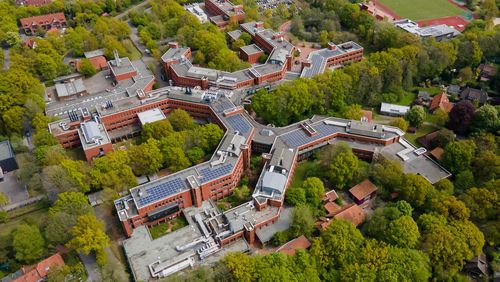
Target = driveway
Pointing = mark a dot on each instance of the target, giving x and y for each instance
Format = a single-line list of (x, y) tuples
[(15, 191), (5, 58), (93, 271)]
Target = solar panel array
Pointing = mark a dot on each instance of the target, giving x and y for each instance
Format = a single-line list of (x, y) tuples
[(299, 137), (239, 123), (209, 173), (223, 105), (162, 190)]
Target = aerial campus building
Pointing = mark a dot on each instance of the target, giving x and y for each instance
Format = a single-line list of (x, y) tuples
[(438, 32), (193, 190), (180, 71), (96, 120)]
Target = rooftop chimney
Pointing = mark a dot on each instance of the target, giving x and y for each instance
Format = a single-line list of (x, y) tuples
[(331, 46), (117, 58)]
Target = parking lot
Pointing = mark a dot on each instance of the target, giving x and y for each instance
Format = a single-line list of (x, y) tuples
[(272, 4)]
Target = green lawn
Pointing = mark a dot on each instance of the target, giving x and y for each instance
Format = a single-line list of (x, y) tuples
[(31, 214), (423, 130), (167, 227), (418, 10), (407, 99)]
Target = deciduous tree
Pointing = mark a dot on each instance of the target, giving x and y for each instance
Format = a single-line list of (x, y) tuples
[(28, 243), (88, 235)]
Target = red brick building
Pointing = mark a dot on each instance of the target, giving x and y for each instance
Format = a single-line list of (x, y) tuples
[(224, 12), (37, 272), (45, 22)]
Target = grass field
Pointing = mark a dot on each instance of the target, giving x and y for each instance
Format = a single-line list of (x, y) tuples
[(418, 10)]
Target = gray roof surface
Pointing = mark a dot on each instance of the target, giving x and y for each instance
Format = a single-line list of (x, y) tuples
[(6, 151), (251, 49)]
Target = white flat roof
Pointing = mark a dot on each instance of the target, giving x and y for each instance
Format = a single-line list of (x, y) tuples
[(151, 116)]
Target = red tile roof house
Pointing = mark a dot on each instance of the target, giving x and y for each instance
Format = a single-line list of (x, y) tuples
[(291, 247), (440, 101), (46, 22), (363, 192), (35, 273), (98, 62)]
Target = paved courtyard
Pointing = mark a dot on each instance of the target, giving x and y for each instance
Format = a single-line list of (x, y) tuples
[(15, 191)]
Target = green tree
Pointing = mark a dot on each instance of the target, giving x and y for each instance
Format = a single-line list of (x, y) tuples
[(112, 171), (483, 203), (146, 158), (57, 230), (457, 155), (181, 120), (295, 196), (337, 246), (28, 243), (450, 207), (416, 190), (302, 221), (195, 155), (489, 9), (464, 180), (156, 130), (441, 117), (400, 123), (175, 159), (341, 164), (444, 186), (74, 203), (13, 119), (486, 166), (88, 235), (79, 172), (403, 232), (485, 119), (353, 112), (86, 68), (388, 175), (415, 116), (314, 190), (12, 38)]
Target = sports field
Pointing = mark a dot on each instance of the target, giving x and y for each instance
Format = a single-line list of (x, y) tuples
[(418, 10)]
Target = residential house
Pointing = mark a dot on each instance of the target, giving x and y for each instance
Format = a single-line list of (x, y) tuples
[(7, 159), (473, 94), (45, 22), (442, 102), (291, 247), (363, 192), (486, 72), (477, 267), (35, 273)]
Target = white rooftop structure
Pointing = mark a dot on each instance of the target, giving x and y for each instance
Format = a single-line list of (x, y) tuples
[(197, 12), (439, 32), (393, 110), (151, 116)]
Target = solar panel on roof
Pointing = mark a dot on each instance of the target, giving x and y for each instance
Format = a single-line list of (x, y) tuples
[(298, 137), (209, 174), (161, 190), (239, 123)]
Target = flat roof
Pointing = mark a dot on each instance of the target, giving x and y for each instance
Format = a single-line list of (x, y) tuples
[(124, 66), (393, 108), (150, 116), (94, 53), (6, 151), (251, 49), (70, 88)]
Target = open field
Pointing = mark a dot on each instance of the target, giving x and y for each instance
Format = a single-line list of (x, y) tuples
[(419, 10)]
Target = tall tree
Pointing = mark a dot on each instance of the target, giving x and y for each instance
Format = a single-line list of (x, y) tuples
[(88, 235), (28, 243), (415, 116), (180, 120), (461, 116), (457, 156)]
